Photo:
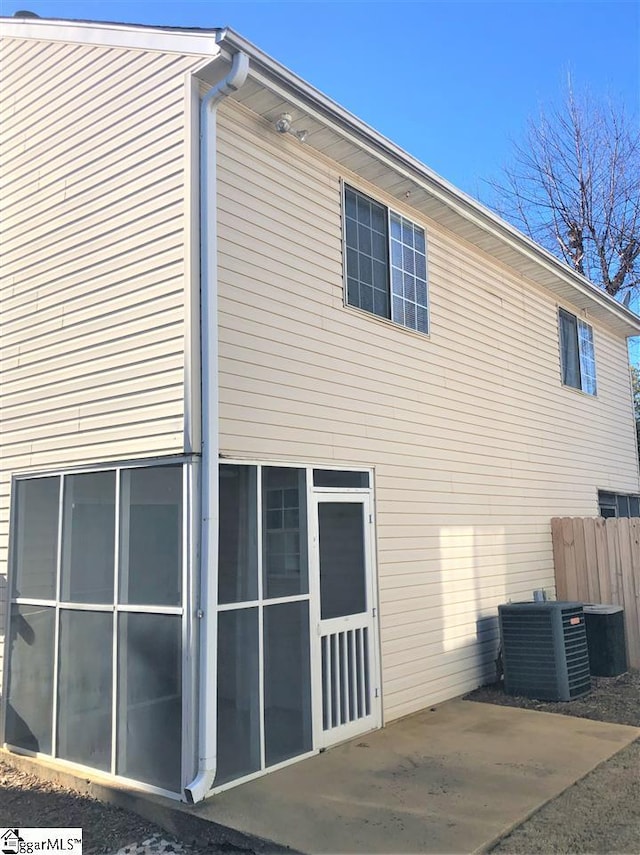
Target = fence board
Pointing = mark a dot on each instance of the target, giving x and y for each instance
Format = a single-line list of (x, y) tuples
[(592, 592), (613, 551), (628, 588), (601, 561), (634, 584), (579, 545), (598, 561), (559, 553), (571, 573)]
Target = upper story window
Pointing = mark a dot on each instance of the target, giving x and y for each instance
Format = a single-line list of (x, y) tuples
[(386, 263), (576, 353)]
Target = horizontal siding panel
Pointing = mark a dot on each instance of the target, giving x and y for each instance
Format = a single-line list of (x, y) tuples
[(144, 444), (85, 336), (502, 407), (110, 432), (151, 265), (94, 108), (149, 180), (161, 405), (81, 309), (140, 356), (105, 383), (164, 222)]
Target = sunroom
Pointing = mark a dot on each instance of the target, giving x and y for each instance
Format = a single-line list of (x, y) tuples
[(105, 669)]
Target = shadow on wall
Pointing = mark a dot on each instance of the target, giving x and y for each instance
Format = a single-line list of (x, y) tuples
[(480, 568), (473, 565)]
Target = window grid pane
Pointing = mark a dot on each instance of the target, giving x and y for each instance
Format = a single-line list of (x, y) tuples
[(36, 538), (569, 350), (151, 536), (408, 275), (367, 254), (587, 358), (88, 537), (284, 524)]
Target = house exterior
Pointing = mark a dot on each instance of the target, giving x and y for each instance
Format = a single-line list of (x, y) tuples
[(285, 415)]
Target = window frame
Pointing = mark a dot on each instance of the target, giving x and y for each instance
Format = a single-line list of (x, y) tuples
[(588, 382), (389, 212)]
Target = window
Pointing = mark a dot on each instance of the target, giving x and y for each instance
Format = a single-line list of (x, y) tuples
[(386, 264), (577, 356), (618, 505)]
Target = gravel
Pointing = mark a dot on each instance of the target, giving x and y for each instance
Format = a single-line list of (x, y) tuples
[(599, 814), (31, 802), (614, 699)]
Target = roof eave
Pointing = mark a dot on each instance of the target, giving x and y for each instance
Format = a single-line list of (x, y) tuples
[(623, 318)]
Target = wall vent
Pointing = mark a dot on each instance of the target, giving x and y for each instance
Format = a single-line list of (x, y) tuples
[(544, 650)]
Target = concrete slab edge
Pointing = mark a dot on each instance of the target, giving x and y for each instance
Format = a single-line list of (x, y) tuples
[(485, 848), (171, 816)]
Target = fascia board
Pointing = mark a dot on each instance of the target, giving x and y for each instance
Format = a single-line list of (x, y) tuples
[(270, 73), (198, 42)]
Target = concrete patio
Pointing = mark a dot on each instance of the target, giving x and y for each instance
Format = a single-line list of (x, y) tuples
[(451, 779)]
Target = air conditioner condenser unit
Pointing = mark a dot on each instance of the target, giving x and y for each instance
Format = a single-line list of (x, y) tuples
[(544, 650)]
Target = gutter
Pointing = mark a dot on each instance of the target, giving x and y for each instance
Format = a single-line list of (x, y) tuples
[(208, 601), (267, 71)]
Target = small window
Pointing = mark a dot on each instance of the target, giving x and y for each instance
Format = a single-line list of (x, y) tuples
[(576, 353), (386, 262), (340, 478), (618, 505)]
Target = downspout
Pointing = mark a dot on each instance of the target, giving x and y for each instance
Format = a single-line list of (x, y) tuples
[(208, 601)]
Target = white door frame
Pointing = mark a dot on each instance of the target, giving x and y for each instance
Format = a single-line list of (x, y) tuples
[(369, 619)]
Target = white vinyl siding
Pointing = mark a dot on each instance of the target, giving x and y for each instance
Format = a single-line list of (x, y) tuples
[(475, 443), (93, 256)]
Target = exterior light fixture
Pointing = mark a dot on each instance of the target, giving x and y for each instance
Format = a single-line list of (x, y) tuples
[(283, 126)]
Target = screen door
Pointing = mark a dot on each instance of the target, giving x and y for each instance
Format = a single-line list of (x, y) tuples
[(347, 684)]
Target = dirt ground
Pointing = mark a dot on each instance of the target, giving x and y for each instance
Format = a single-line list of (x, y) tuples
[(599, 814)]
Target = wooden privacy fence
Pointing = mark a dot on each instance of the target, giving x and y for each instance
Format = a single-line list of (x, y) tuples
[(598, 561)]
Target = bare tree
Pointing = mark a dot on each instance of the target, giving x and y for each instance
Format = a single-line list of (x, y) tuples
[(574, 187)]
